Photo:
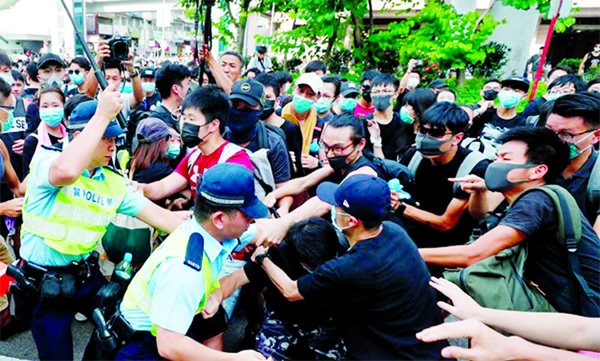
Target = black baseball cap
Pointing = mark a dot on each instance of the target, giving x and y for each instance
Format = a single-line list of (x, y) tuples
[(437, 84), (363, 196), (149, 72), (516, 82), (48, 59), (250, 91)]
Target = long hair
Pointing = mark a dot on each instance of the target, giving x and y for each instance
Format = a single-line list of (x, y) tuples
[(148, 153)]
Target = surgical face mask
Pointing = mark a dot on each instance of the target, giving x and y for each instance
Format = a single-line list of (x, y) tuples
[(149, 87), (301, 104), (173, 151), (490, 94), (77, 79), (322, 105), (9, 121), (574, 150), (382, 102), (405, 116), (430, 146), (597, 49), (7, 78), (286, 87), (509, 99), (334, 220), (496, 175), (413, 82), (52, 116), (54, 80), (348, 105), (268, 109)]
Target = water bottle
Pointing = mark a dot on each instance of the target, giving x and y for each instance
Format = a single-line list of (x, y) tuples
[(314, 146), (123, 269)]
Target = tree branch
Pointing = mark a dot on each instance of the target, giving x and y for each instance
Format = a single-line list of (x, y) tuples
[(483, 14), (233, 19), (370, 17)]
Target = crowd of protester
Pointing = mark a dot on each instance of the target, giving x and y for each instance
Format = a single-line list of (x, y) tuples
[(329, 212)]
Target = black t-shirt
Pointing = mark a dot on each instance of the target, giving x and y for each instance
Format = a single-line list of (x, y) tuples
[(29, 148), (534, 107), (149, 104), (293, 138), (303, 313), (33, 117), (396, 137), (535, 215), (165, 115), (434, 193), (16, 132), (491, 117), (382, 297)]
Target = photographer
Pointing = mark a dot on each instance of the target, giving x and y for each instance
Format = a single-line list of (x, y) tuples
[(410, 81), (114, 66)]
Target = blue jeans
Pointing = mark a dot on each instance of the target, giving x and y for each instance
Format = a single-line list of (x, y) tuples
[(51, 328)]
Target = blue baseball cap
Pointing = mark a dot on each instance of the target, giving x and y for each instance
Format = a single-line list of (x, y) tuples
[(82, 114), (231, 185), (363, 196)]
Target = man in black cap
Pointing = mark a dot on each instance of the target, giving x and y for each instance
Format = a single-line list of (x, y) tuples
[(348, 99), (377, 311), (51, 70), (245, 129), (437, 85), (151, 96)]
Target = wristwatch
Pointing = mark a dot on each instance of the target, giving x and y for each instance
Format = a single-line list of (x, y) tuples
[(401, 208), (260, 258)]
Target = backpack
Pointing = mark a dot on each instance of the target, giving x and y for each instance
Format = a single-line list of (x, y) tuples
[(497, 281), (465, 168), (593, 188), (485, 143), (264, 182), (388, 169)]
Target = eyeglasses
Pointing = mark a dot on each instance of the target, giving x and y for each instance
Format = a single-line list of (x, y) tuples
[(566, 136), (433, 132), (337, 149), (70, 72)]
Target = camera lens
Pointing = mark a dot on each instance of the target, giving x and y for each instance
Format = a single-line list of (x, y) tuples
[(120, 50)]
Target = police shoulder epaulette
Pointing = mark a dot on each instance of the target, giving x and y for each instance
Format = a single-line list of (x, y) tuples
[(195, 251), (52, 148)]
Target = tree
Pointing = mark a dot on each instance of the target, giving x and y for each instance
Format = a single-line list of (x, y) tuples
[(235, 15), (440, 35)]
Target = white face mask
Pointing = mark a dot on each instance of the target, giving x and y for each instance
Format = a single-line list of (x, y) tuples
[(413, 82), (7, 78), (334, 221)]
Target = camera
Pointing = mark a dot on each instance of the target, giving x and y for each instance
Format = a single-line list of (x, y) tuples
[(119, 48), (419, 63)]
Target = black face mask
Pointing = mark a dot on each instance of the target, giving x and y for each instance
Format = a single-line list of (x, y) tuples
[(243, 125), (189, 135), (339, 163), (268, 109), (366, 94), (490, 94)]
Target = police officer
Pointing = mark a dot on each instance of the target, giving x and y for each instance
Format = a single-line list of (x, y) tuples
[(164, 301), (71, 198)]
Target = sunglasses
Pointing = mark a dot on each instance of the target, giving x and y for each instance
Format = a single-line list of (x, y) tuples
[(434, 132), (70, 72)]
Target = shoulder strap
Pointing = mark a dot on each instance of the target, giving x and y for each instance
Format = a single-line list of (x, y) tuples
[(263, 141), (195, 251), (192, 159), (466, 167), (593, 187), (229, 150), (414, 163), (569, 234)]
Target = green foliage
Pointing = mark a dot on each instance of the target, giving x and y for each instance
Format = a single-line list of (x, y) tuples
[(469, 93), (495, 59), (571, 63), (543, 6), (592, 73), (440, 35)]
